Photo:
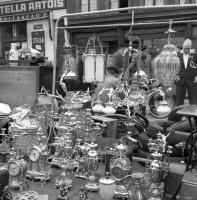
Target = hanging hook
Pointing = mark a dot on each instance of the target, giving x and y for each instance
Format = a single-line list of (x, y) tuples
[(131, 27), (170, 31), (170, 24)]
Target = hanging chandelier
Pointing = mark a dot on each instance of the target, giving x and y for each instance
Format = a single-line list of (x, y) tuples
[(167, 64)]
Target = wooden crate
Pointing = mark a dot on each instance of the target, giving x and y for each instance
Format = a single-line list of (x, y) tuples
[(19, 85)]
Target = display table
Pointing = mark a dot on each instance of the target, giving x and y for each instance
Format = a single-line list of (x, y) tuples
[(51, 193)]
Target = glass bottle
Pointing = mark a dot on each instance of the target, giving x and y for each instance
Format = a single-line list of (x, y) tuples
[(137, 193)]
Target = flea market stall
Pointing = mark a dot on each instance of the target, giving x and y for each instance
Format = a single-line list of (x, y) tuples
[(63, 148)]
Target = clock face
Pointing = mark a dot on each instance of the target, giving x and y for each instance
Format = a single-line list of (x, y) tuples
[(34, 154), (14, 168), (118, 173)]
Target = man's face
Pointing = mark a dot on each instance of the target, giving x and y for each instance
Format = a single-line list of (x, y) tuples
[(186, 50)]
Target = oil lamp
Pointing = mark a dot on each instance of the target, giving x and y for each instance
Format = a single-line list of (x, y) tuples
[(109, 109), (70, 63), (98, 107), (94, 61)]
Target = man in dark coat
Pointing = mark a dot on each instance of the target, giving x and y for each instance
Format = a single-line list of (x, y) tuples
[(187, 76)]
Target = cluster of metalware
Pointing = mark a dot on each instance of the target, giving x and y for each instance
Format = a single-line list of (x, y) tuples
[(31, 144), (76, 100), (158, 165)]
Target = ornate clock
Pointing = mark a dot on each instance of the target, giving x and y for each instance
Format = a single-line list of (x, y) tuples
[(35, 153), (17, 170)]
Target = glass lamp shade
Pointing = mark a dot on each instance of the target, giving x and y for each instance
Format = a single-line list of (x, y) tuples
[(167, 65), (94, 65), (163, 108)]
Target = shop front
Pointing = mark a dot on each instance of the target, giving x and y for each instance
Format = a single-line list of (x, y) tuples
[(29, 26)]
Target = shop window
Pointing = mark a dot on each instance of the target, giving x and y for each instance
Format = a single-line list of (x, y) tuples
[(85, 5), (106, 4), (15, 31), (114, 4), (8, 30), (73, 6), (190, 1), (93, 5), (187, 1), (112, 47), (172, 2), (139, 2), (148, 2), (123, 3), (159, 2), (21, 30), (88, 5)]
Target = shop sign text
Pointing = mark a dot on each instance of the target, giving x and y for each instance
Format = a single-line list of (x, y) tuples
[(24, 17), (31, 6)]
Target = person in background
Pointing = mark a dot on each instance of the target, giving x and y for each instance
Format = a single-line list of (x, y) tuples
[(114, 65), (179, 48), (187, 76), (145, 63)]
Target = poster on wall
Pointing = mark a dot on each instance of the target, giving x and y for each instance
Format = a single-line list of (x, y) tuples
[(38, 41)]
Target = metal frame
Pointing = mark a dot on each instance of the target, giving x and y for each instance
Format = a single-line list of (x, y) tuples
[(110, 25)]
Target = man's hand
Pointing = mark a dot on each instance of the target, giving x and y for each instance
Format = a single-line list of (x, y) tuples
[(195, 80), (177, 78)]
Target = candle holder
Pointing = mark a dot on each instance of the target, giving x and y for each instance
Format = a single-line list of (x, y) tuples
[(120, 165), (136, 193), (158, 165)]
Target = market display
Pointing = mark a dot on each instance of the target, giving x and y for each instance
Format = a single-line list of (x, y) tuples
[(43, 137), (77, 153)]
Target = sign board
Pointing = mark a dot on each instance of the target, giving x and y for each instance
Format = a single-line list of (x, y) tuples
[(24, 17), (38, 26), (38, 41), (13, 8)]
